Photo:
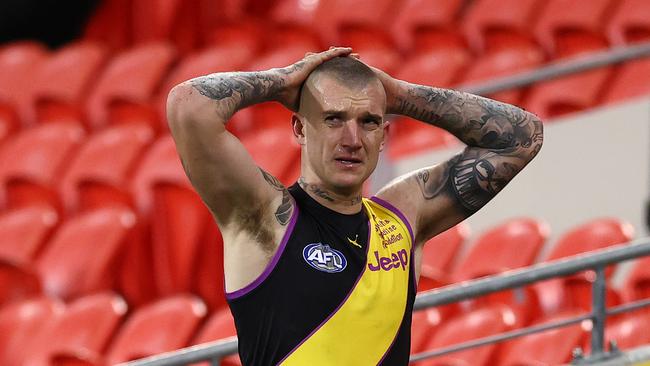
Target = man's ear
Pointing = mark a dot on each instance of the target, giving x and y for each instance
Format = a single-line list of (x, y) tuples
[(386, 127), (298, 127)]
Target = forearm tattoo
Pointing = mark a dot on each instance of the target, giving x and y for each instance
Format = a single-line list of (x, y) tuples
[(501, 140), (283, 212), (239, 89)]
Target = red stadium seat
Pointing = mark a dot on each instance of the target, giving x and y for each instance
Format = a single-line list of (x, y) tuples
[(165, 20), (23, 232), (493, 251), (21, 323), (32, 162), (631, 80), (438, 255), (162, 326), (568, 94), (182, 227), (84, 255), (629, 330), (293, 22), (64, 81), (551, 347), (114, 101), (426, 322), (363, 29), (242, 37), (425, 25), (567, 27), (469, 326), (637, 282), (81, 333), (219, 326), (593, 235), (503, 63), (17, 62), (493, 254), (111, 24), (497, 25), (630, 23), (99, 174)]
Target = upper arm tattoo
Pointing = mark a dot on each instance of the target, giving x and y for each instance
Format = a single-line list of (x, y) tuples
[(283, 212)]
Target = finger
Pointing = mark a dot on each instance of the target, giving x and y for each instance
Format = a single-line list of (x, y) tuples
[(309, 54), (355, 55)]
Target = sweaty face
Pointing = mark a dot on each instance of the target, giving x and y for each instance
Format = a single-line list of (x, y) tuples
[(343, 131)]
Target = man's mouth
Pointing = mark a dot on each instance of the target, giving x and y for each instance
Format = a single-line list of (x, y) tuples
[(350, 161)]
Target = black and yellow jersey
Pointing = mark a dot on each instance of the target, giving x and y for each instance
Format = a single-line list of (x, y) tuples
[(339, 291)]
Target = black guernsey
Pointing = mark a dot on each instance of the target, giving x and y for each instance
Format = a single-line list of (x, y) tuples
[(333, 275)]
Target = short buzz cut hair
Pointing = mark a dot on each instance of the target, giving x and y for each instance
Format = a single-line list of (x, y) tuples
[(347, 70)]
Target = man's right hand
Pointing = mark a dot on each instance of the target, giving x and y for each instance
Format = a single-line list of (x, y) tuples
[(296, 74)]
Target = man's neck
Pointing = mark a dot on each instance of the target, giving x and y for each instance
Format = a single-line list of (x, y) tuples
[(345, 204)]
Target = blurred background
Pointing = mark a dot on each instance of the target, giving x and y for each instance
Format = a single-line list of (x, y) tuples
[(107, 254)]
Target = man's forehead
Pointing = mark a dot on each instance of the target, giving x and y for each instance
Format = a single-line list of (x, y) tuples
[(331, 94)]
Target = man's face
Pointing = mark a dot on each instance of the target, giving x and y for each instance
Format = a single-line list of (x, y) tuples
[(343, 130)]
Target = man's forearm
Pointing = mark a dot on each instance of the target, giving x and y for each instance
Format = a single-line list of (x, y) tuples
[(232, 91), (475, 120)]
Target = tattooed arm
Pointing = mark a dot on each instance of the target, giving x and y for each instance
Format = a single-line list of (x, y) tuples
[(217, 164), (501, 140)]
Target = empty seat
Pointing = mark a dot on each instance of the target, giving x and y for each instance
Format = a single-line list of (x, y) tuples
[(81, 333), (165, 325), (294, 20), (637, 282), (21, 323), (165, 20), (114, 101), (424, 25), (469, 326), (32, 163), (110, 24), (427, 321), (492, 253), (567, 27), (23, 231), (629, 330), (630, 23), (365, 30), (181, 226), (63, 82), (496, 25), (631, 80), (503, 63), (17, 62), (551, 347), (100, 173), (220, 325), (438, 254), (84, 254), (592, 235)]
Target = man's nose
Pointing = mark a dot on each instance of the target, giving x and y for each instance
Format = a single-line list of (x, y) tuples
[(351, 137)]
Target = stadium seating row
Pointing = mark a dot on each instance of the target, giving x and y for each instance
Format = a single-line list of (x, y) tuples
[(85, 82)]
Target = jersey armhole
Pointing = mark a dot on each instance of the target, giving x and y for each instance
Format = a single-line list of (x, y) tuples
[(271, 265), (397, 212)]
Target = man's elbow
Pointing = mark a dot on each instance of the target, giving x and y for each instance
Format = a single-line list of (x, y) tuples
[(177, 104), (537, 133)]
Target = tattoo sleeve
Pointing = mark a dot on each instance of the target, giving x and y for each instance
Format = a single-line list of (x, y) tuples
[(501, 139), (236, 90), (283, 212)]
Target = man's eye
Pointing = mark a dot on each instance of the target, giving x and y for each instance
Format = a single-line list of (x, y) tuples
[(332, 118)]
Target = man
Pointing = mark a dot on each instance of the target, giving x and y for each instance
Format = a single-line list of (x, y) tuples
[(316, 274)]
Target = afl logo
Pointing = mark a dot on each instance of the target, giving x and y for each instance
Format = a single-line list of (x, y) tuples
[(324, 258)]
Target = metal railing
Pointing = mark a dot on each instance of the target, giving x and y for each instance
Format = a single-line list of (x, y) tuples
[(214, 351), (597, 260)]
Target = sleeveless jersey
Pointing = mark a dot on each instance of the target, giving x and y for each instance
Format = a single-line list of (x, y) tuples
[(338, 291)]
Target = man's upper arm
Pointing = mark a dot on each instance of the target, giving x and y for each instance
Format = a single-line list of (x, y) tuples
[(438, 197), (218, 165)]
